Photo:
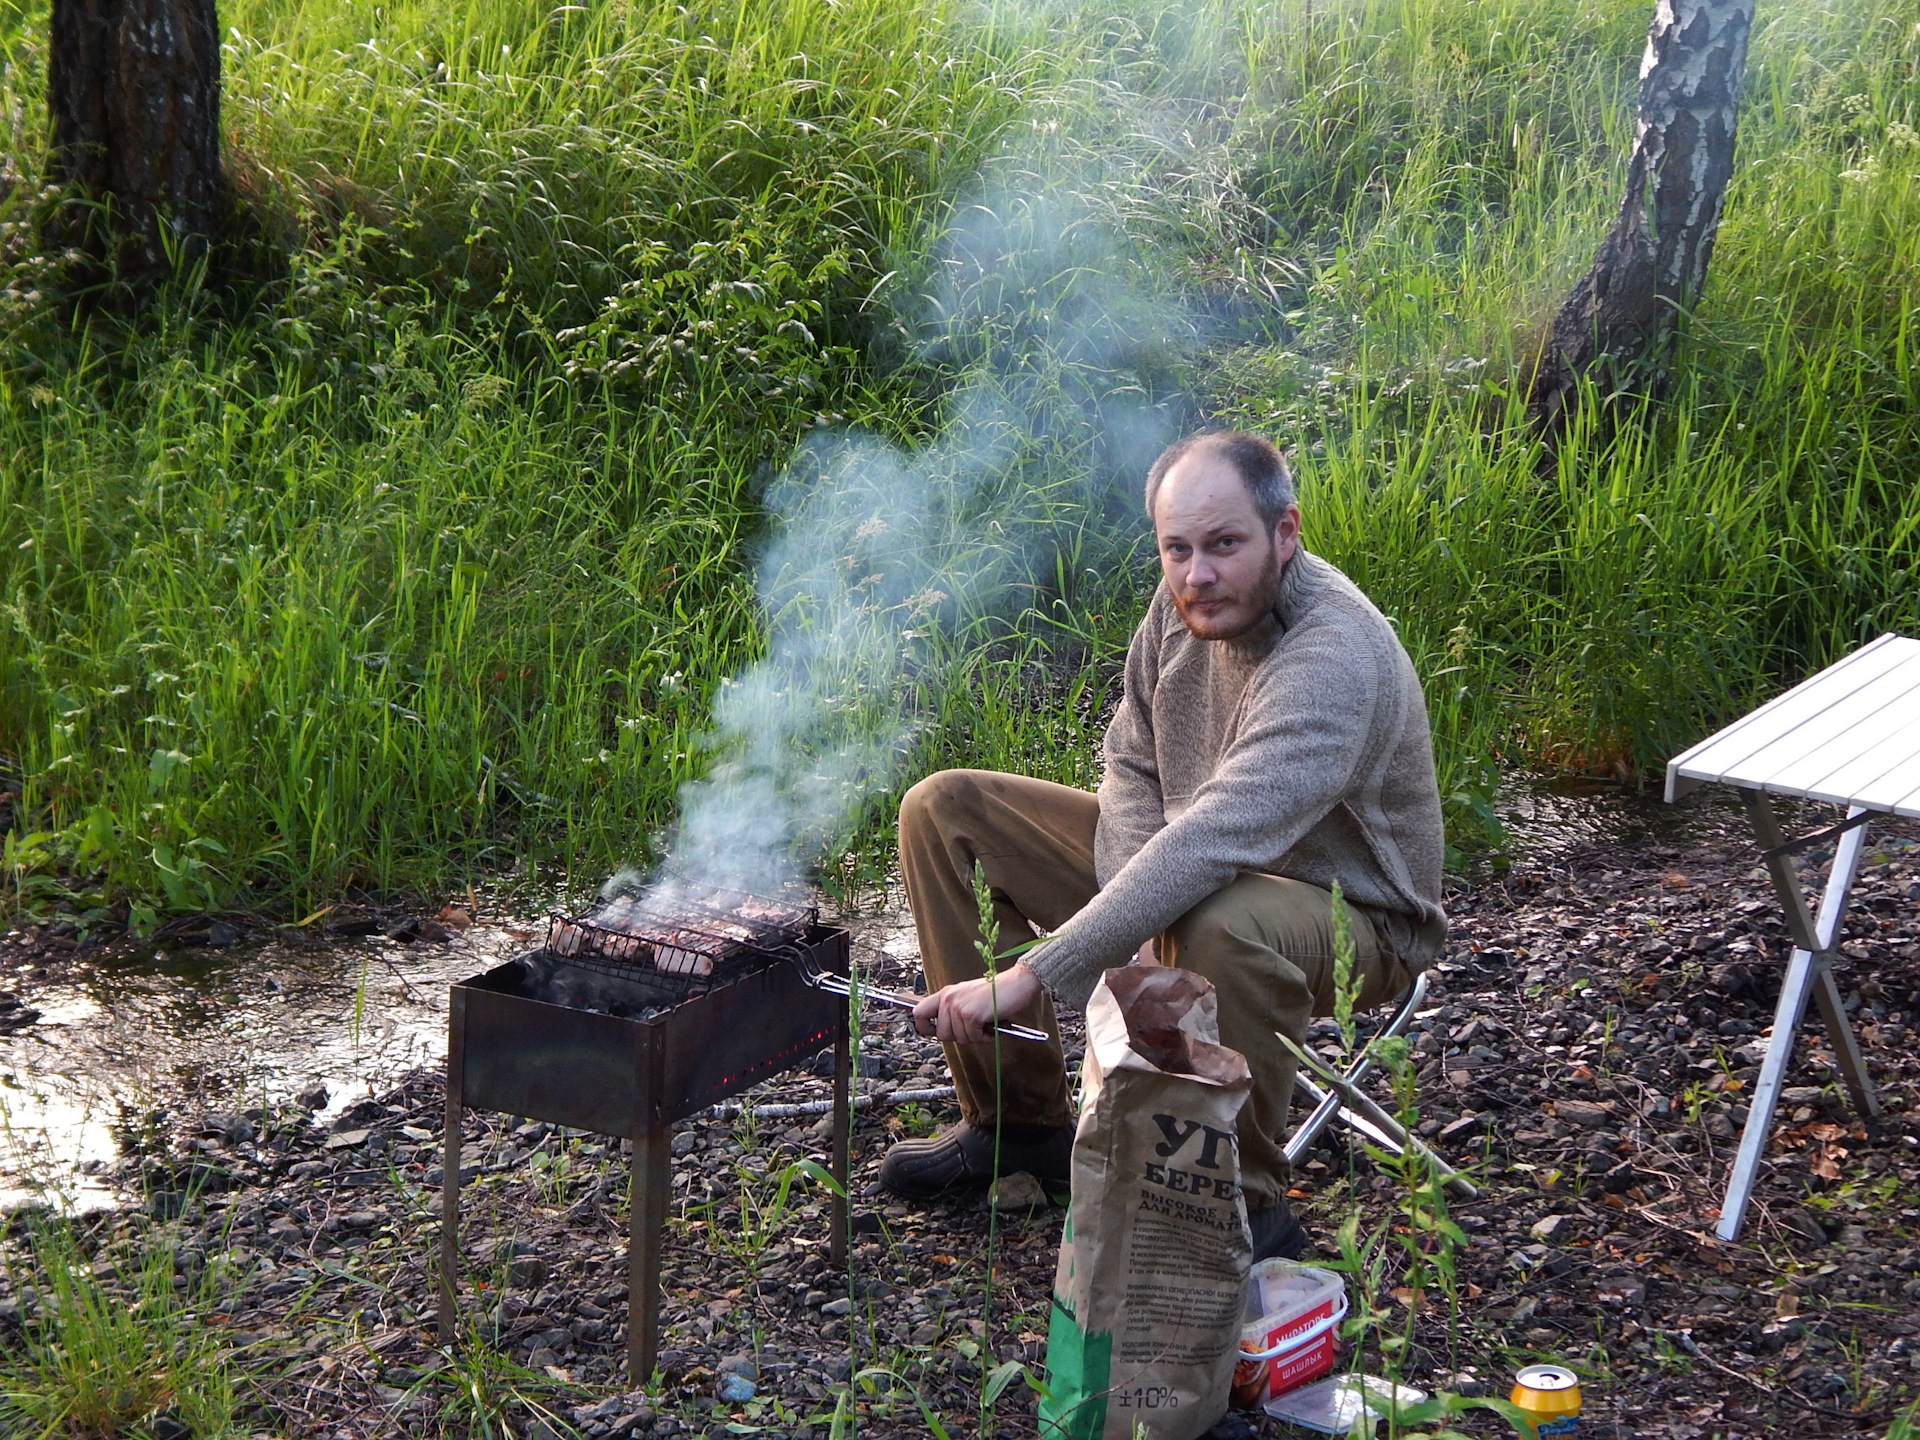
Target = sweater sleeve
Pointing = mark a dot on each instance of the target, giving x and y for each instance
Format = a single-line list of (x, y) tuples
[(1307, 729), (1132, 809)]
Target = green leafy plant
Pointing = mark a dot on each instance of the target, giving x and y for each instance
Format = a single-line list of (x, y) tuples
[(988, 947), (763, 1204)]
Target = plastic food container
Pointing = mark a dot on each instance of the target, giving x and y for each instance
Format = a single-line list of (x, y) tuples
[(1292, 1313)]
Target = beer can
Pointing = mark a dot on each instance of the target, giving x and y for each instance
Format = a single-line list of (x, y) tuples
[(1549, 1396)]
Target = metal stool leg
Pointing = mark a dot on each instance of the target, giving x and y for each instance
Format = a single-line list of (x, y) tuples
[(1366, 1116), (1329, 1106)]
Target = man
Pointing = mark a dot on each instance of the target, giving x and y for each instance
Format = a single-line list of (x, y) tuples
[(1272, 739)]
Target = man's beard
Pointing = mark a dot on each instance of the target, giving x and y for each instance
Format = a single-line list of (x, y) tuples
[(1266, 590)]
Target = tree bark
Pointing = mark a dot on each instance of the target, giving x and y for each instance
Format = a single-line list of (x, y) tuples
[(1650, 267), (133, 93)]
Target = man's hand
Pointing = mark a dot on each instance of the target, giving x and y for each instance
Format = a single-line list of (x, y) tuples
[(965, 1011)]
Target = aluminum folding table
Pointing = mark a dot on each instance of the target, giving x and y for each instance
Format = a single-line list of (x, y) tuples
[(1849, 736)]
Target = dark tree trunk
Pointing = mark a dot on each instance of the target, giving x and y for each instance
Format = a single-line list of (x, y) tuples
[(133, 91), (1654, 258)]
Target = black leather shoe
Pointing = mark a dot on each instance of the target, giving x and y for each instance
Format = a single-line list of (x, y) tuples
[(1277, 1233), (963, 1156)]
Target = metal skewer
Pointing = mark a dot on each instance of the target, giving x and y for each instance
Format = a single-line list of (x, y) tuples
[(840, 985)]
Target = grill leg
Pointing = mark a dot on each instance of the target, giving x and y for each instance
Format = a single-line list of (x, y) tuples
[(842, 1140), (450, 1168), (646, 1220)]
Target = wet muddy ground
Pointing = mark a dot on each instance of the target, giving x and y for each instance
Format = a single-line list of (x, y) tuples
[(1591, 1036), (223, 1016)]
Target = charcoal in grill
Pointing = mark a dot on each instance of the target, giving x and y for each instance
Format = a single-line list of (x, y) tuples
[(603, 990)]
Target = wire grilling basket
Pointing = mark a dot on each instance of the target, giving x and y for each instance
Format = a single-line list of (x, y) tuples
[(662, 951), (681, 946)]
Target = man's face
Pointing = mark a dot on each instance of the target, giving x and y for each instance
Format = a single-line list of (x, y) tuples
[(1222, 565)]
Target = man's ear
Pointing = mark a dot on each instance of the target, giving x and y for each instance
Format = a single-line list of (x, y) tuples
[(1286, 533)]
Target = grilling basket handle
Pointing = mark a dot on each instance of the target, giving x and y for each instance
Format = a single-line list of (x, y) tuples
[(840, 985)]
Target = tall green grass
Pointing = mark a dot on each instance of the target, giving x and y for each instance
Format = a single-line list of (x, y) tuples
[(427, 551), (117, 1341)]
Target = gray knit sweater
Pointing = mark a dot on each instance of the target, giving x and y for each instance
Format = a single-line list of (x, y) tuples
[(1299, 749)]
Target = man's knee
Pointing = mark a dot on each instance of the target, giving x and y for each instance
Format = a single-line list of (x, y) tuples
[(1266, 912), (943, 793), (930, 806), (1204, 931)]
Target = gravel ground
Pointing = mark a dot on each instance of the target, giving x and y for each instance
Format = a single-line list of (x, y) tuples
[(1592, 1033)]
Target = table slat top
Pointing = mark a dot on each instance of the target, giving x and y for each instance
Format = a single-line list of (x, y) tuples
[(1849, 735)]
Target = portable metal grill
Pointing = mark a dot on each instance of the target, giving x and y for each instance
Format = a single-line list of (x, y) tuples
[(739, 980)]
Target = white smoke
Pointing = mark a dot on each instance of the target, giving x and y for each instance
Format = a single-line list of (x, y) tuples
[(874, 547)]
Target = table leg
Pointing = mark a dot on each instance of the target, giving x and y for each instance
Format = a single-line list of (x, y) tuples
[(1766, 1095), (1807, 972), (646, 1220), (1846, 1049)]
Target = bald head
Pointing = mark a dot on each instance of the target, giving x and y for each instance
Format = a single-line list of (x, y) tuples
[(1253, 458), (1221, 557)]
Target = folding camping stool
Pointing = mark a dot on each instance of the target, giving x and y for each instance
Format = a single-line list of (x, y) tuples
[(1359, 1112)]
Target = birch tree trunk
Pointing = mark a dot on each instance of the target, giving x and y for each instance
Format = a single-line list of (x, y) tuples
[(1651, 265), (133, 94)]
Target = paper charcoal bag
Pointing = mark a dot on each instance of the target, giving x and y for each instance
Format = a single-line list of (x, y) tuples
[(1151, 1280)]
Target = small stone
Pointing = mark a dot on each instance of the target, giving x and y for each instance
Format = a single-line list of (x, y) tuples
[(733, 1389), (312, 1097), (220, 934), (683, 1143), (347, 1139), (527, 1272), (1550, 1228), (842, 1306), (238, 1130), (542, 1357), (1587, 1113), (308, 1169), (419, 928), (1018, 1191), (1461, 1129)]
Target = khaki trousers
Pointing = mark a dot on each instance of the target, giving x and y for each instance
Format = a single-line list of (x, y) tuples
[(1265, 942)]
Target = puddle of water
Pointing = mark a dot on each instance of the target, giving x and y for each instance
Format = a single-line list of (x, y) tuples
[(200, 1030), (1543, 814)]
